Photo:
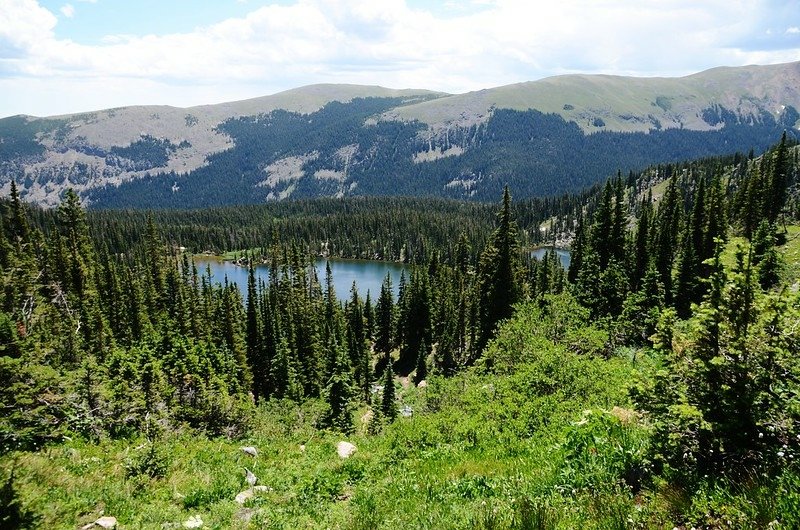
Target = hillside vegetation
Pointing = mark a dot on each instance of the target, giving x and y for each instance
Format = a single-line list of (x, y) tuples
[(654, 384)]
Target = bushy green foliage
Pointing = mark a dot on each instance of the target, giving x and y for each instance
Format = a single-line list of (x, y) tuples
[(725, 402), (605, 450), (150, 461), (552, 322)]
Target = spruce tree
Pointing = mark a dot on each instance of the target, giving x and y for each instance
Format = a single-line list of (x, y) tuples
[(422, 364), (578, 249), (339, 395), (642, 242), (384, 316), (778, 181), (254, 339), (498, 281), (603, 235), (669, 216), (388, 398)]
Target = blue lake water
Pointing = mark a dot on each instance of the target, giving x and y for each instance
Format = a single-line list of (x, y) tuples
[(563, 255), (367, 274)]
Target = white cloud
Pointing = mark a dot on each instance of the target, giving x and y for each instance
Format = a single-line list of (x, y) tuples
[(383, 42), (794, 30), (68, 10)]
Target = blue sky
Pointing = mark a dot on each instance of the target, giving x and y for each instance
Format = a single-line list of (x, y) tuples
[(60, 56)]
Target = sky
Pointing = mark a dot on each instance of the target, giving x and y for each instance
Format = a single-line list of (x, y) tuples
[(64, 56)]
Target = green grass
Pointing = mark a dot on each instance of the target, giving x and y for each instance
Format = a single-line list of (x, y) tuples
[(789, 251), (791, 255), (547, 442), (459, 462)]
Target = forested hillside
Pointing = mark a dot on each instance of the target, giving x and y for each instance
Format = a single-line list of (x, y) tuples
[(535, 154), (544, 138), (654, 384)]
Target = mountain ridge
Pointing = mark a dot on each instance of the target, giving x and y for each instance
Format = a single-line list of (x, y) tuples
[(388, 141)]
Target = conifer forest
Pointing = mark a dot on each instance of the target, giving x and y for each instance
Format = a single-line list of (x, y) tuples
[(654, 383)]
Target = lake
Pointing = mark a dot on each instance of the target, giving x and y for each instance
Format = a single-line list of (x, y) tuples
[(367, 274), (563, 255)]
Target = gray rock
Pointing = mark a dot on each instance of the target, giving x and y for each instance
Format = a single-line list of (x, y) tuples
[(250, 477), (345, 449), (193, 522), (244, 496), (106, 522), (250, 450)]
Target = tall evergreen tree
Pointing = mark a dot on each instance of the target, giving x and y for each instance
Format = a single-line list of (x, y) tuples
[(385, 317), (669, 218), (339, 395), (641, 260), (422, 364), (498, 276), (578, 249), (388, 398)]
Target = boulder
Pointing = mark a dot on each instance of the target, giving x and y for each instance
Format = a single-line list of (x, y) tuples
[(244, 496), (406, 411), (345, 449), (193, 522), (250, 477), (106, 522), (422, 384), (250, 450)]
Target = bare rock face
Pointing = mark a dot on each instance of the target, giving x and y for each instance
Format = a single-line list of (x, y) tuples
[(345, 449)]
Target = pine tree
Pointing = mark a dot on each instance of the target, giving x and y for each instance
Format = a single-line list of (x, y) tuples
[(778, 181), (385, 317), (357, 346), (669, 216), (642, 242), (687, 280), (603, 234), (18, 224), (418, 322), (422, 364), (339, 394), (256, 358), (578, 249), (619, 222), (765, 256), (369, 318), (388, 401), (499, 287)]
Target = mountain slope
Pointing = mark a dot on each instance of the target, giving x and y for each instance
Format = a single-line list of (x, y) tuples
[(544, 137), (83, 149), (630, 103)]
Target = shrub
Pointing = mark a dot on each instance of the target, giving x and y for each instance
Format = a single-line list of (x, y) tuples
[(601, 452)]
